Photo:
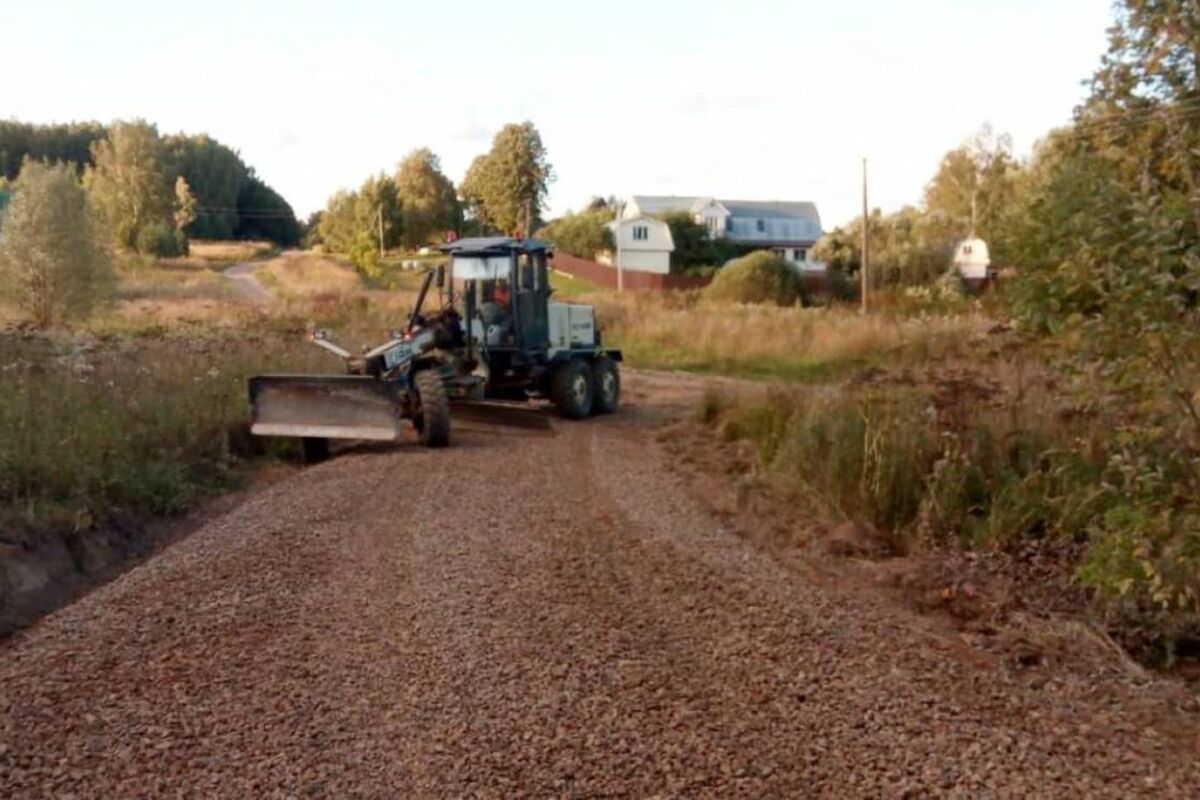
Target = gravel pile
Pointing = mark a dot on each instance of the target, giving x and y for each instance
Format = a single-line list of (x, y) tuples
[(526, 616)]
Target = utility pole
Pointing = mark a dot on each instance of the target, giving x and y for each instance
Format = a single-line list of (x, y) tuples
[(617, 236), (379, 214), (866, 252)]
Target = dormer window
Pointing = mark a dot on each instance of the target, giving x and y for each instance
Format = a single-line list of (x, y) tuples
[(762, 225)]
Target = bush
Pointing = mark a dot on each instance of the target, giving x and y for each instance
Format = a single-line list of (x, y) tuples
[(761, 277), (161, 241)]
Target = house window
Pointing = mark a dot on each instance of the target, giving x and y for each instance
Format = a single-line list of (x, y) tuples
[(640, 233), (762, 225), (801, 254)]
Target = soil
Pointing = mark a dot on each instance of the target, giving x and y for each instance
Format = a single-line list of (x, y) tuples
[(43, 569), (589, 611)]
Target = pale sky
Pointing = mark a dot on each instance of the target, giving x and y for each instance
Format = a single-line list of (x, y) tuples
[(749, 99)]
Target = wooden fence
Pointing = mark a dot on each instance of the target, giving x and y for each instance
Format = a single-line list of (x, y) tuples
[(604, 275)]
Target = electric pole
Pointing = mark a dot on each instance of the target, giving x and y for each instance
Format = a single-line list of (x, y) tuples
[(866, 251), (380, 216), (617, 236)]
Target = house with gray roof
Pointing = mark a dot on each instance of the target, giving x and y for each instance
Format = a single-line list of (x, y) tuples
[(790, 229)]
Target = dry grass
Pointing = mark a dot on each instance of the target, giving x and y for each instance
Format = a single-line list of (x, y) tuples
[(90, 427), (217, 254), (678, 330), (309, 275)]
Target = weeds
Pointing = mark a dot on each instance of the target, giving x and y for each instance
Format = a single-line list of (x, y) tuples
[(91, 428)]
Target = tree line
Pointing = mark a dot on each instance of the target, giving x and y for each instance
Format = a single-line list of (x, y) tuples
[(230, 200), (504, 191)]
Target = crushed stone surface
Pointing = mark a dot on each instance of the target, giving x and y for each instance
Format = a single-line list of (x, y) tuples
[(525, 615)]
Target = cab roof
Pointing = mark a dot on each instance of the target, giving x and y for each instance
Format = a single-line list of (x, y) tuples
[(495, 245)]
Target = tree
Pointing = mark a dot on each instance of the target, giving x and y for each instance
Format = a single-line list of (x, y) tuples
[(264, 214), (507, 187), (185, 204), (70, 143), (51, 266), (1141, 111), (973, 193), (471, 194), (216, 175), (1109, 256), (582, 235), (428, 200), (694, 247), (909, 247), (128, 184), (338, 224)]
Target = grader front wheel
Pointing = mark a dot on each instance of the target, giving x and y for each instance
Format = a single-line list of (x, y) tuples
[(432, 417)]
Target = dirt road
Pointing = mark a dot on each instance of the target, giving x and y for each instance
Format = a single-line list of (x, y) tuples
[(535, 614), (247, 284)]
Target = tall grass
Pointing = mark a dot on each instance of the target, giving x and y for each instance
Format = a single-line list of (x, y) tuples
[(940, 459), (677, 330), (89, 427)]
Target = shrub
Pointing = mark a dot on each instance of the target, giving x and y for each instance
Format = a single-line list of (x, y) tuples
[(161, 241), (761, 277)]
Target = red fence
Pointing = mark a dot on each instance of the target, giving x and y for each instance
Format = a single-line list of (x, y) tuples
[(604, 275)]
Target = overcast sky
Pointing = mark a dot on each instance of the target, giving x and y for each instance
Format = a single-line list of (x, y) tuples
[(743, 99)]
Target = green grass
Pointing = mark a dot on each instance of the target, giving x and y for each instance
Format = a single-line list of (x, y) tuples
[(570, 286)]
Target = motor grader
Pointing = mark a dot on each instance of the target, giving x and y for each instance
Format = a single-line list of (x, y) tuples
[(495, 345)]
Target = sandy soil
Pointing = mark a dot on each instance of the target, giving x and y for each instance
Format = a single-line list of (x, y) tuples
[(536, 614)]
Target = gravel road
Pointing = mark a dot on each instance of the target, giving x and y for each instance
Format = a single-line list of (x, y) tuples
[(534, 614)]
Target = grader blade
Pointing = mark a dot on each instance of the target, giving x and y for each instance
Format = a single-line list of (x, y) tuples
[(323, 406), (488, 413)]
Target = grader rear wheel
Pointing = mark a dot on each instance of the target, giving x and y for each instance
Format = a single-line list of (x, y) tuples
[(572, 388), (607, 384)]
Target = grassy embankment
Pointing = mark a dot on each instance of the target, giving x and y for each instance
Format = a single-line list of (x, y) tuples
[(142, 409)]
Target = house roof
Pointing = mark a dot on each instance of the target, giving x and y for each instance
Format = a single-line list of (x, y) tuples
[(658, 204), (773, 209), (777, 209), (645, 219)]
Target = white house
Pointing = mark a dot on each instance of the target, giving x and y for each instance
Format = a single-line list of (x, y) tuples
[(790, 229), (645, 244), (972, 260)]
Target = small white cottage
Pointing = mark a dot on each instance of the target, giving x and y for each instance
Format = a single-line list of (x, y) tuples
[(644, 244), (972, 261)]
